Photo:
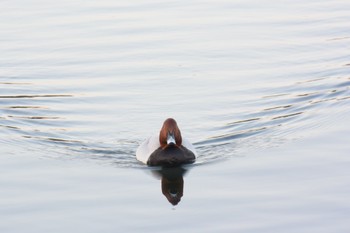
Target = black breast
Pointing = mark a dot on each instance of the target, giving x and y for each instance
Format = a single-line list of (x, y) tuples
[(171, 156)]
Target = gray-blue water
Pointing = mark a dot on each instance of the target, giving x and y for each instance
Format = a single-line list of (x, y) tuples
[(261, 88)]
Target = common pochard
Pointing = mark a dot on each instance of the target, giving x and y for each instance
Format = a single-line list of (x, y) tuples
[(167, 148)]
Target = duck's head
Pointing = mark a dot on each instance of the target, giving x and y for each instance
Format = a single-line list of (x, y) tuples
[(170, 134)]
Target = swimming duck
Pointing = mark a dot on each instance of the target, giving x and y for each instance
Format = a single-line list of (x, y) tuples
[(167, 148)]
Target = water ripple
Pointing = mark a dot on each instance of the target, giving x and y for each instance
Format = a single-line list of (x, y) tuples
[(32, 96), (292, 110), (272, 113)]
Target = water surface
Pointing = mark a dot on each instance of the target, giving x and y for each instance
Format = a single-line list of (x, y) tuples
[(261, 89)]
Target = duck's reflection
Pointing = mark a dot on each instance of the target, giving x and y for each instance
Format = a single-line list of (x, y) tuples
[(172, 183)]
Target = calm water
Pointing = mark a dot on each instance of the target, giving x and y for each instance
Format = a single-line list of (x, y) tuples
[(261, 89)]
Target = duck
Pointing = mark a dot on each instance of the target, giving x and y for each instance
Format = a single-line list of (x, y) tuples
[(168, 148)]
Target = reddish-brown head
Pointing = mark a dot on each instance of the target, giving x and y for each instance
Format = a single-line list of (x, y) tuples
[(170, 133)]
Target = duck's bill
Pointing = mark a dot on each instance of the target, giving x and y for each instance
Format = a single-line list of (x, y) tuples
[(170, 139)]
